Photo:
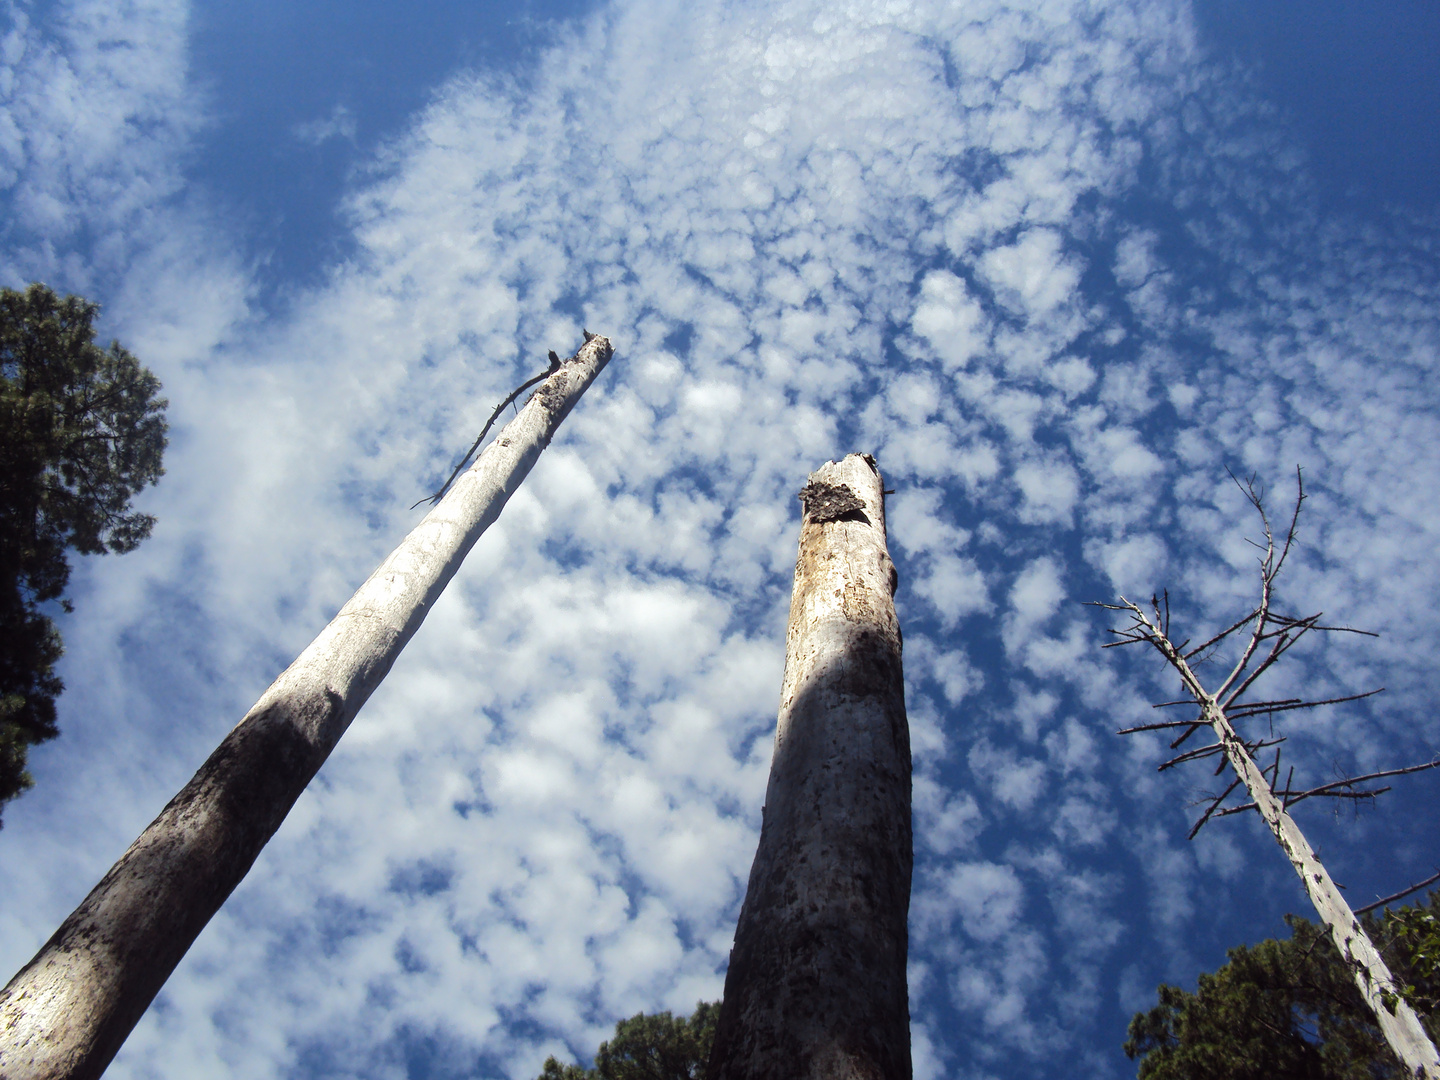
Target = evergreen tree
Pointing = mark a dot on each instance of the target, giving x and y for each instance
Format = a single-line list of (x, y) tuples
[(653, 1047), (81, 432), (1290, 1010)]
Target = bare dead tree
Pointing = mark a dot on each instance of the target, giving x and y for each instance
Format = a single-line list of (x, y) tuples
[(69, 1010), (816, 986), (1267, 635)]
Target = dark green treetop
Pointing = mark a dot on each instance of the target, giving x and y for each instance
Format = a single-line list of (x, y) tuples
[(82, 430), (649, 1047), (1290, 1010)]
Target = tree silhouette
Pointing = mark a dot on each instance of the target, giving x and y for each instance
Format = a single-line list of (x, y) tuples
[(82, 431)]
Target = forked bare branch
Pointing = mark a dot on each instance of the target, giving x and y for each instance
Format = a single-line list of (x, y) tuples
[(1332, 790), (1216, 748)]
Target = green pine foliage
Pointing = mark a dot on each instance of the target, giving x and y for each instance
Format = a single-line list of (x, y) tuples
[(82, 430), (653, 1047), (1289, 1010)]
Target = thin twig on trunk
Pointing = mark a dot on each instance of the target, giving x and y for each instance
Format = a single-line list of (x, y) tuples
[(1400, 895)]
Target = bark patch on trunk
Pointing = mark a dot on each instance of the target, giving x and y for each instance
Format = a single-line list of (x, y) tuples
[(830, 502)]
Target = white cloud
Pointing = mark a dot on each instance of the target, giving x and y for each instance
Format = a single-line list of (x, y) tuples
[(916, 524), (1072, 748), (949, 318), (1117, 454), (1014, 780), (957, 676), (1071, 375), (1031, 708), (1083, 822), (1049, 490), (1135, 258), (1134, 565), (988, 898), (1032, 276), (945, 823), (95, 114), (954, 587), (1126, 390), (339, 124), (1037, 592)]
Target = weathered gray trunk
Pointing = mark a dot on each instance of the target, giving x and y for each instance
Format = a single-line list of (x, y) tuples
[(68, 1011), (816, 986)]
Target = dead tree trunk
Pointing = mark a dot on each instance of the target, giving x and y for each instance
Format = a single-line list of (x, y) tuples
[(1270, 637), (1399, 1024), (68, 1011), (816, 986)]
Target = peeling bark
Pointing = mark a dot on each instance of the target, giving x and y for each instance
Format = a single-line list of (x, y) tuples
[(816, 986), (68, 1011)]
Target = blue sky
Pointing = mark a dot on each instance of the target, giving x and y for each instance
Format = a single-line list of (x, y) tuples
[(1057, 266)]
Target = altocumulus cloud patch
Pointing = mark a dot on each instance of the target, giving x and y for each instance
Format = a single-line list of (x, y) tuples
[(1054, 266)]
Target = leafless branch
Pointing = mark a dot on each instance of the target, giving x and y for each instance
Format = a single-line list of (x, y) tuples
[(1330, 789), (435, 498), (1399, 895), (1215, 748), (1157, 727), (1193, 755), (1294, 520), (1261, 708), (1271, 634), (1278, 705), (1220, 636), (1275, 769), (1195, 725), (1291, 798), (1214, 804)]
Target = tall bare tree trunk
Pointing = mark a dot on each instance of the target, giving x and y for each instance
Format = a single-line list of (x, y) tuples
[(1271, 635), (1398, 1022), (816, 986), (68, 1011)]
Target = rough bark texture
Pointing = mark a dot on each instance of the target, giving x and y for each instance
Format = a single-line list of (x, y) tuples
[(1398, 1023), (67, 1012), (816, 985)]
